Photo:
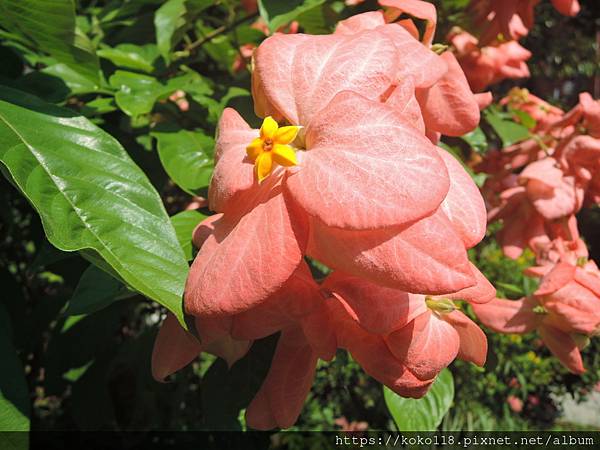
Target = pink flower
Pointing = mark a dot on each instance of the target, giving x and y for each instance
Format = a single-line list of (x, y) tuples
[(403, 340), (486, 65), (567, 7), (395, 67), (541, 111), (414, 239), (565, 311), (552, 193), (515, 403)]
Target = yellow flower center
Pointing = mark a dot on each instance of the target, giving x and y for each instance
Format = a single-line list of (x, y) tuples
[(272, 148)]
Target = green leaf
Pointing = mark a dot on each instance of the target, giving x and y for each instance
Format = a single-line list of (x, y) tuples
[(171, 21), (99, 106), (138, 93), (75, 81), (476, 140), (527, 121), (131, 56), (187, 157), (426, 413), (510, 288), (184, 224), (277, 13), (14, 395), (96, 289), (50, 26), (91, 196), (508, 131)]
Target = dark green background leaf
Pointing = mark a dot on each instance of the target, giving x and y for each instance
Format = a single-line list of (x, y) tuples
[(50, 26), (14, 394), (184, 224), (187, 157)]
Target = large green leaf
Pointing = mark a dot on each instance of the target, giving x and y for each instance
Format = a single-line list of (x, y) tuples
[(184, 224), (426, 413), (91, 195), (14, 395), (277, 13), (49, 26), (96, 289), (187, 157)]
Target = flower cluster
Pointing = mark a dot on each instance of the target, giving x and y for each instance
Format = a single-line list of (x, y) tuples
[(559, 173), (492, 53), (343, 171)]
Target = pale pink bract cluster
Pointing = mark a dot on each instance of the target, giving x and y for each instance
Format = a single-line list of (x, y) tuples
[(492, 53), (559, 173), (371, 197)]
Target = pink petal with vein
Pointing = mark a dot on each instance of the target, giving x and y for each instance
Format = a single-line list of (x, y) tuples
[(449, 106), (366, 168), (463, 205), (473, 343), (300, 74), (241, 264), (377, 309), (509, 316), (426, 257), (234, 172), (426, 345)]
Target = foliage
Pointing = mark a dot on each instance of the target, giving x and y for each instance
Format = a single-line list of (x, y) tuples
[(108, 113)]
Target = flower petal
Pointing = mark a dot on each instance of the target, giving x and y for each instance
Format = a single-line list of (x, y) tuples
[(269, 128), (300, 74), (509, 316), (285, 135), (366, 168), (473, 343), (426, 345), (234, 171), (426, 256), (247, 259), (377, 309), (449, 106), (255, 148), (280, 398), (463, 205), (264, 165), (174, 348), (284, 155), (563, 347)]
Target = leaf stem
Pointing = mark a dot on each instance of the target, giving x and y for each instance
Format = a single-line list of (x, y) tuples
[(218, 31)]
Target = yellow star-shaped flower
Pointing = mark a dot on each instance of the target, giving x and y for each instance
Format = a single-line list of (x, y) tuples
[(271, 148)]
